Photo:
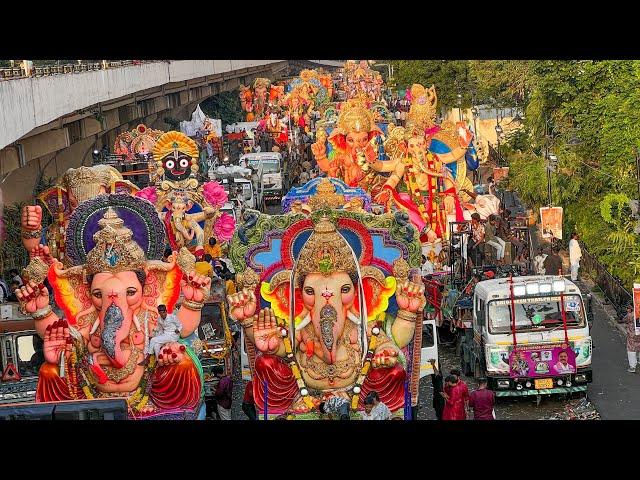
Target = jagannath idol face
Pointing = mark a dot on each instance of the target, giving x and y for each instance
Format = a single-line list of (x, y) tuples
[(177, 165)]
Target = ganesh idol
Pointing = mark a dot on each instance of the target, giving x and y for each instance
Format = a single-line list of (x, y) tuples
[(318, 322), (111, 296), (353, 147), (420, 183)]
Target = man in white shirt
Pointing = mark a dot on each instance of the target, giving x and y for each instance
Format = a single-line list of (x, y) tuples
[(538, 261), (374, 409), (575, 254)]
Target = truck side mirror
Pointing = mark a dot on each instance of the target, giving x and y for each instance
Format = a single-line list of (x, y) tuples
[(589, 310)]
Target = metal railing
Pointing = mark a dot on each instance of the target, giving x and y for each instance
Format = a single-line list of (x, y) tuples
[(43, 71), (611, 287)]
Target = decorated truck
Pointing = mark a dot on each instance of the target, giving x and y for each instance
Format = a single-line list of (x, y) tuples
[(529, 336)]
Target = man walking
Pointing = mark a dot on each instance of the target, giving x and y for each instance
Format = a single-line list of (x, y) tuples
[(575, 254), (223, 394), (436, 381), (553, 263), (455, 399), (482, 401)]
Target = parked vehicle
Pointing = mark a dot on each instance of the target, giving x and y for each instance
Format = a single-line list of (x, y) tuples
[(20, 352), (529, 336)]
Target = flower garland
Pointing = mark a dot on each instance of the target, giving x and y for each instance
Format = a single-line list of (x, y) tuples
[(295, 369), (136, 401)]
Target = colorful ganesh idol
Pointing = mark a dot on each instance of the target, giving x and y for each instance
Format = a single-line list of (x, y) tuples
[(353, 142), (103, 346), (190, 212), (328, 309)]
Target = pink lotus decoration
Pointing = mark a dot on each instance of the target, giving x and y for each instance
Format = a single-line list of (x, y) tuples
[(148, 193), (214, 194), (224, 227)]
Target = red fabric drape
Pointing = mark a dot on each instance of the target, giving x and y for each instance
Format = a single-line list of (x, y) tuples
[(282, 387), (176, 386), (51, 388), (389, 383)]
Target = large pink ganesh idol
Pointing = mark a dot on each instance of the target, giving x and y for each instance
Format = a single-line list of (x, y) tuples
[(114, 340), (335, 343)]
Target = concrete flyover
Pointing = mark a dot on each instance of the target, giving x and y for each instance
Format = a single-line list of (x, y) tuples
[(52, 123)]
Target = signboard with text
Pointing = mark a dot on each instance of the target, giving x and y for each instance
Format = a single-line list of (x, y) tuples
[(636, 307)]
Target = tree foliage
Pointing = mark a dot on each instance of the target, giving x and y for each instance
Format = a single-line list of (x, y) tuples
[(587, 112), (225, 105)]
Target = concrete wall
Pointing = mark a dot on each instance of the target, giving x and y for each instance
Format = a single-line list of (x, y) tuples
[(31, 102)]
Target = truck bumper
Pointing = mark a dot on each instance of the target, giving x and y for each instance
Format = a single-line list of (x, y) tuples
[(504, 386)]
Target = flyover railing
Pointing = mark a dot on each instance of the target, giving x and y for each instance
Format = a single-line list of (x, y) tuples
[(47, 70), (612, 288)]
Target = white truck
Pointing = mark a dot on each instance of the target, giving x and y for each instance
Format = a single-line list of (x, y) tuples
[(269, 168), (529, 336)]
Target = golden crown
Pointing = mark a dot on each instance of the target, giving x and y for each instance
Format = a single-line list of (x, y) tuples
[(174, 142), (115, 250), (326, 251), (355, 116), (85, 182)]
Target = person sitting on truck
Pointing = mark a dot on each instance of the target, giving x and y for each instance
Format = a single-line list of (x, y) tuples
[(538, 261), (12, 295), (203, 266), (492, 239), (474, 253), (213, 248), (482, 401)]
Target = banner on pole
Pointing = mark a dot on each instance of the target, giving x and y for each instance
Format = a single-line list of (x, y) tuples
[(551, 220)]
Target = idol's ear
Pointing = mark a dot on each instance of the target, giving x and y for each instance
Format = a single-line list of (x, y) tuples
[(71, 290), (377, 290), (162, 284), (277, 292)]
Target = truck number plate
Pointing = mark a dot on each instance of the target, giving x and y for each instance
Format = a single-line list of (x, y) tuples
[(543, 383)]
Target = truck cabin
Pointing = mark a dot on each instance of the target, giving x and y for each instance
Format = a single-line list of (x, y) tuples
[(537, 305)]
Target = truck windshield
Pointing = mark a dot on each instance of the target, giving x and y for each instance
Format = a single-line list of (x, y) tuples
[(270, 166), (534, 314)]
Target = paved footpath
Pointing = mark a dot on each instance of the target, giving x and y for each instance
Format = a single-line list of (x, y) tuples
[(614, 392)]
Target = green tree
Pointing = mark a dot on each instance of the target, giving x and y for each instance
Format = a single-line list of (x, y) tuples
[(451, 77), (225, 105)]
